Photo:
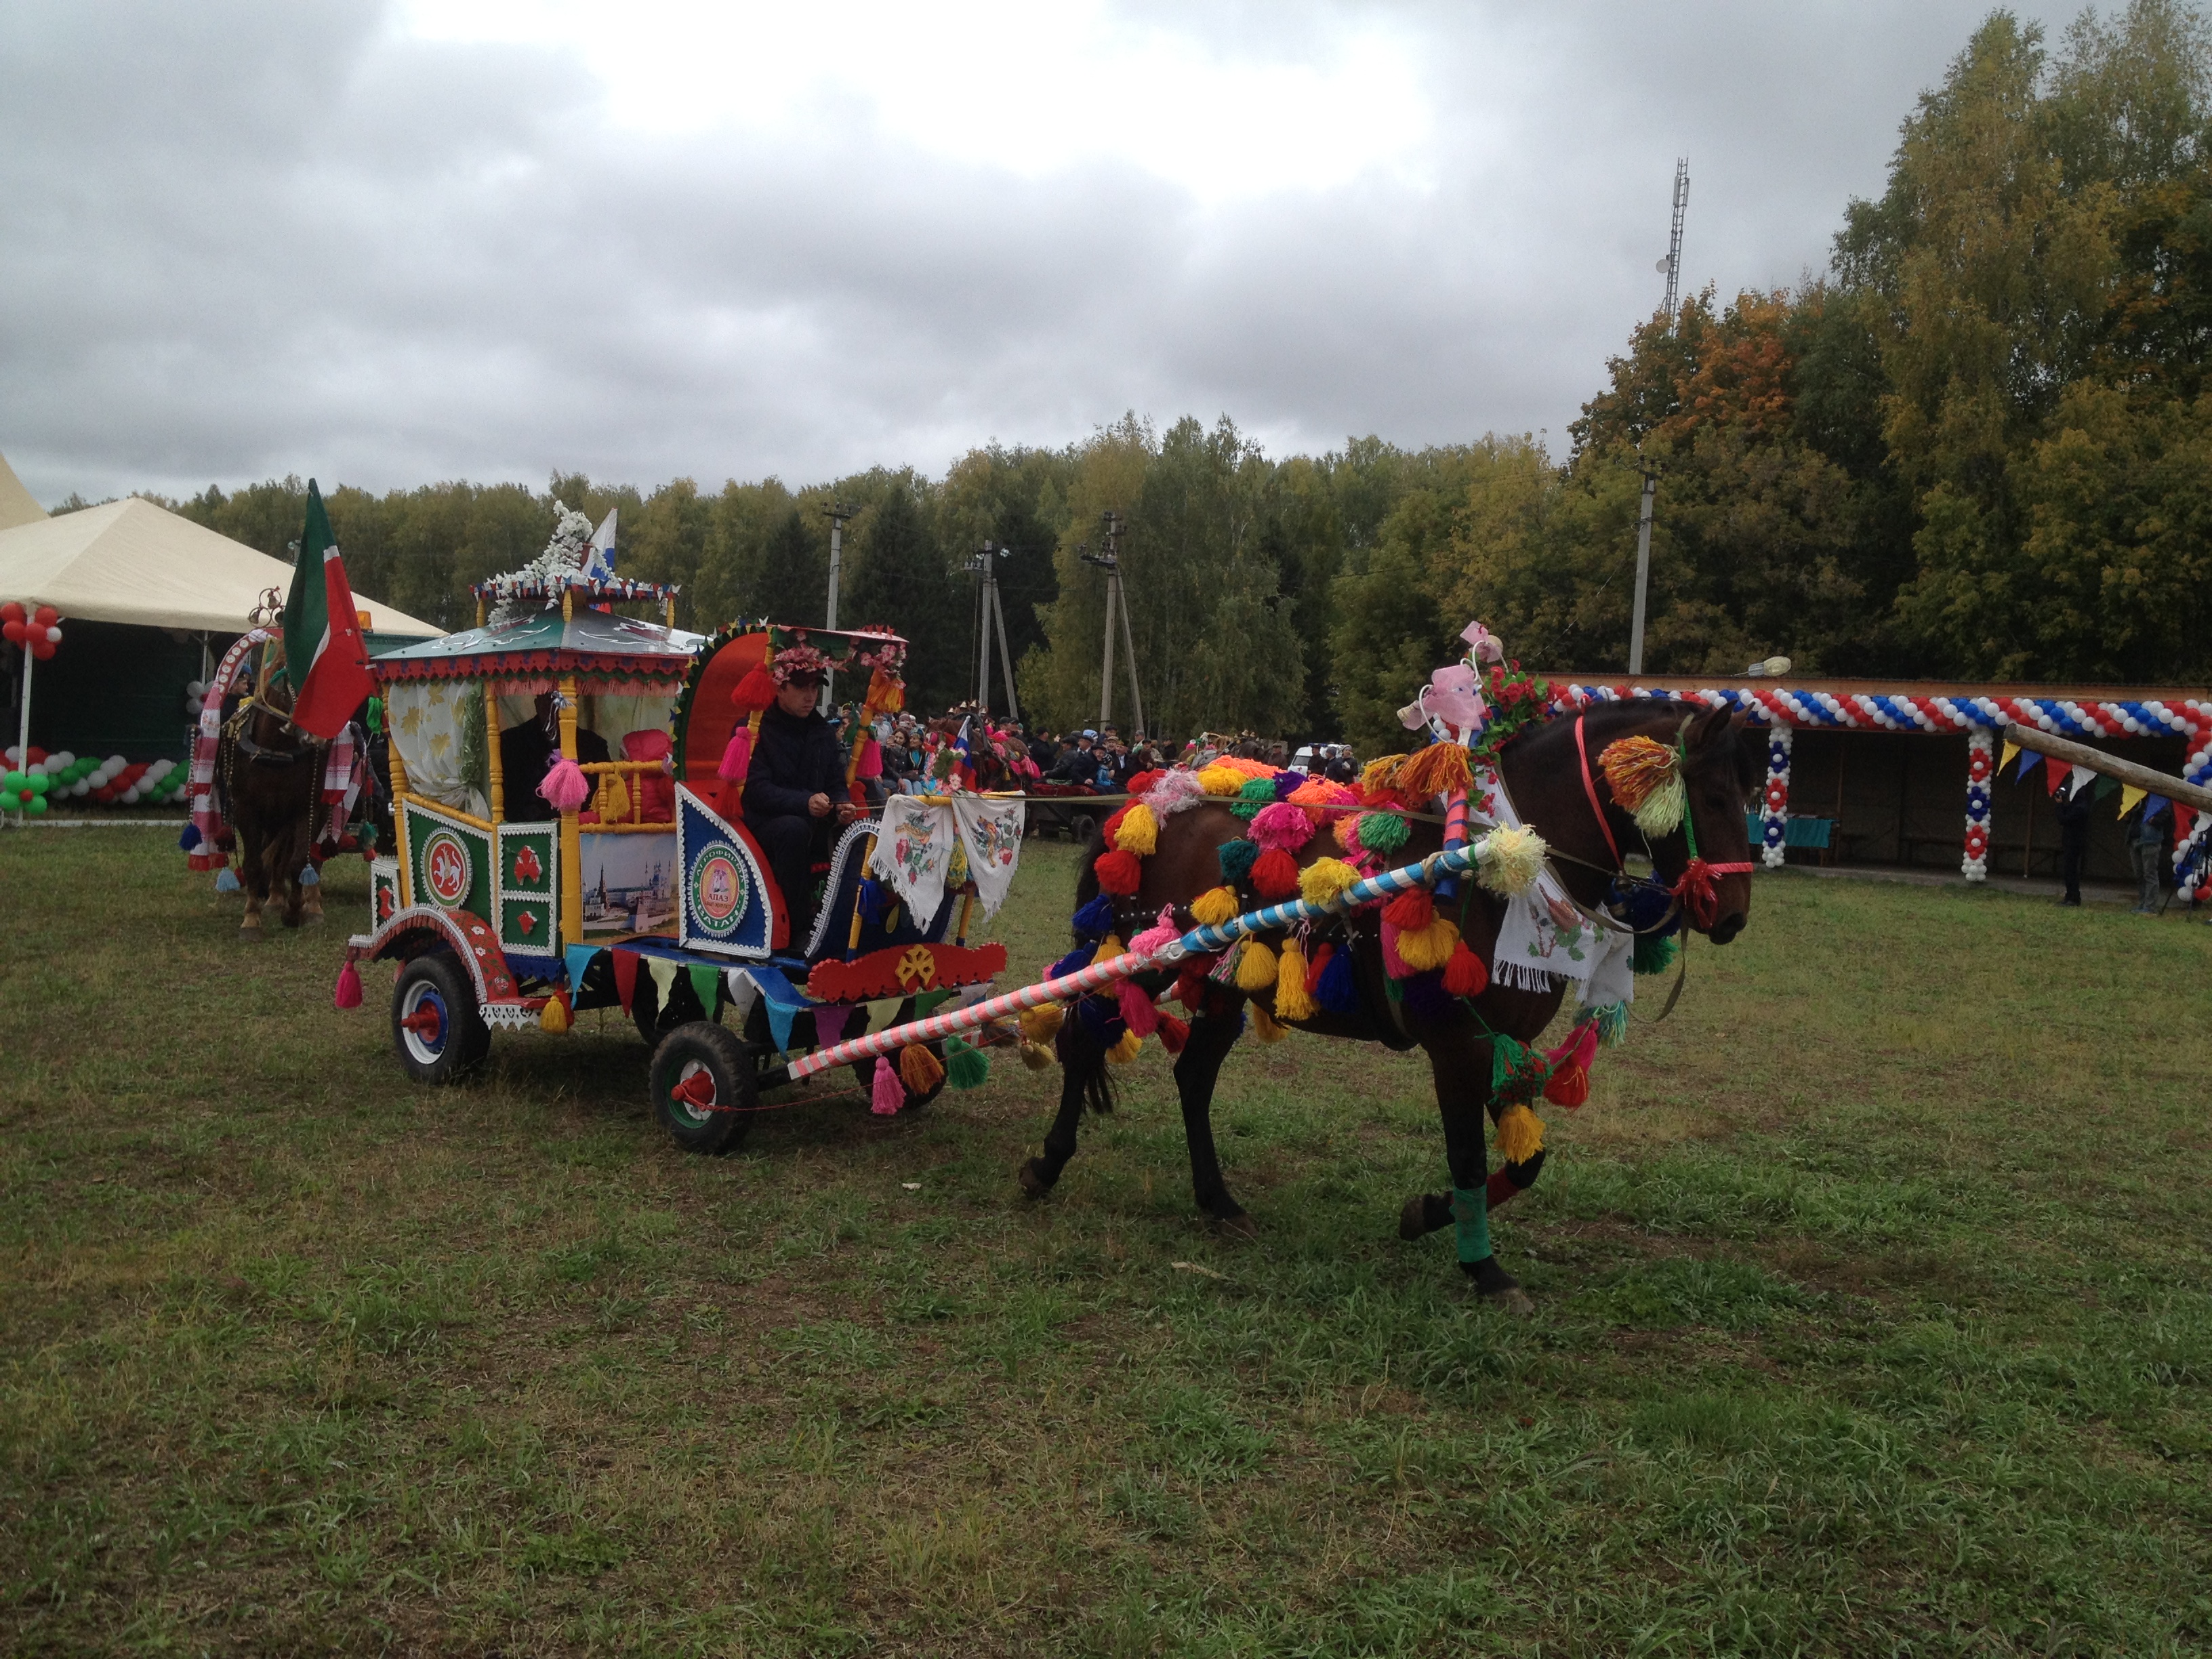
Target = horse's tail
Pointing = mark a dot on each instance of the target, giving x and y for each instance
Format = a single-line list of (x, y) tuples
[(1082, 1051)]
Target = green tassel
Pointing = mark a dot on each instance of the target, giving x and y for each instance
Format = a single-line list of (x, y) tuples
[(1654, 952), (1383, 833), (1517, 1072), (1611, 1024), (1255, 798), (965, 1068), (1236, 859)]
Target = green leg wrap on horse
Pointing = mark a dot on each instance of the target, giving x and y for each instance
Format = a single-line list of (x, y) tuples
[(1471, 1217)]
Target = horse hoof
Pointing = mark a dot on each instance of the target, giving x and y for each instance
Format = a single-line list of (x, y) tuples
[(1239, 1226), (1033, 1182)]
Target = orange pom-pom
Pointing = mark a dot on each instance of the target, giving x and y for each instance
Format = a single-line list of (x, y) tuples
[(1275, 874), (1464, 974), (1411, 911), (1119, 873)]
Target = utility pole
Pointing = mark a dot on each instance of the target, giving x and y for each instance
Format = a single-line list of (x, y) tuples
[(838, 512), (991, 621), (1671, 267), (1116, 601)]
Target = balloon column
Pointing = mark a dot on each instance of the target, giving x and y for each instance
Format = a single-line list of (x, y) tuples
[(38, 630), (113, 781), (23, 792)]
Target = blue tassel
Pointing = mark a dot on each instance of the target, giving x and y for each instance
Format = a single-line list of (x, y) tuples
[(1338, 991), (1095, 920), (1078, 958), (190, 839), (1102, 1017), (226, 880), (1236, 858), (311, 877), (1641, 903), (1425, 995), (874, 900)]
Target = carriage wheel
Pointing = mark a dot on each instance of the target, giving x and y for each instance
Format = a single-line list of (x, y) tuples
[(435, 1024), (698, 1068), (1081, 827)]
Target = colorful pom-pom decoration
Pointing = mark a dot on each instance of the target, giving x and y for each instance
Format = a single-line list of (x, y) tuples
[(887, 1095), (1235, 858), (1275, 874), (1257, 967), (1424, 948), (965, 1066), (1041, 1022), (1215, 906), (1380, 833), (1108, 948), (1126, 1048), (1510, 861), (1139, 832), (1465, 976), (918, 1069), (1283, 825), (1173, 1034), (1520, 1134), (1437, 770), (347, 993), (1293, 999), (1137, 1011), (1119, 873), (1645, 777)]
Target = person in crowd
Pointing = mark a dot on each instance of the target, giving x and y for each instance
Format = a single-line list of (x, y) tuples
[(2147, 827), (1341, 769), (1079, 764), (795, 796), (527, 749), (1043, 751), (2072, 809)]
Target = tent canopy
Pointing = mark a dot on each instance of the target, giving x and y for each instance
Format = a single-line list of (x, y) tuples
[(131, 562), (17, 504)]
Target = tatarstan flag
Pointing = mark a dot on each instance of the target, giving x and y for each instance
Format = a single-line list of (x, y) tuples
[(325, 656)]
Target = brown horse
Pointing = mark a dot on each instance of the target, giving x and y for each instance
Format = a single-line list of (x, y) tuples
[(269, 783), (1545, 776)]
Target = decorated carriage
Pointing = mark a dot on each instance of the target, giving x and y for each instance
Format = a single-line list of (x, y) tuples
[(566, 786)]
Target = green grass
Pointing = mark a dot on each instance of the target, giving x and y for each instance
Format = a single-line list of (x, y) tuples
[(1872, 1318)]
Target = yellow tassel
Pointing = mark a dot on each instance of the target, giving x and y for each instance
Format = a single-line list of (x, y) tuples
[(1634, 767), (1213, 907), (1255, 966), (1221, 780), (1520, 1134), (1041, 1022), (1512, 860), (1126, 1050), (918, 1069), (1324, 878), (1291, 1000), (1108, 948), (553, 1017), (1139, 832), (1380, 773), (1265, 1027), (1035, 1056), (1431, 946), (1436, 770), (1662, 809)]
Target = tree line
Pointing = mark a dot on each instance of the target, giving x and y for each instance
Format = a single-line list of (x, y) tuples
[(1979, 445)]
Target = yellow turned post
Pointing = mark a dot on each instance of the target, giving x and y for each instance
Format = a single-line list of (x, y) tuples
[(480, 610), (572, 836), (491, 750), (398, 806)]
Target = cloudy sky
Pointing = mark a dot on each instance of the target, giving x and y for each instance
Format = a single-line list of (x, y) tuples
[(485, 238)]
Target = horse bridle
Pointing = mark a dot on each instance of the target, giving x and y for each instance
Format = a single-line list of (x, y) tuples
[(1693, 892)]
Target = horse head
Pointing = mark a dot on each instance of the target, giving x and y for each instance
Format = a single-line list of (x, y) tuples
[(1721, 771)]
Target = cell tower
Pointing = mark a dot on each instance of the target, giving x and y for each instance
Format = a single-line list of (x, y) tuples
[(1671, 266)]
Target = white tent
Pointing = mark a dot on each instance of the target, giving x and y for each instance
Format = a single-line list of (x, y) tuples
[(131, 562), (17, 505)]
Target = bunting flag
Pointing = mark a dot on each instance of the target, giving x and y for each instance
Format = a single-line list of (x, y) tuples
[(2054, 773), (2028, 761), (578, 958), (2010, 750), (2129, 795)]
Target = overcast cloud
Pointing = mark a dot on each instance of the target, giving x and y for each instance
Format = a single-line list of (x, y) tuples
[(391, 244)]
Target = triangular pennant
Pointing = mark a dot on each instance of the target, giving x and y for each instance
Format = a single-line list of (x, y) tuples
[(743, 992), (2027, 760), (2010, 750), (702, 982), (578, 958), (626, 977), (2054, 773), (2129, 795), (2158, 804), (2104, 786), (664, 980), (829, 1022)]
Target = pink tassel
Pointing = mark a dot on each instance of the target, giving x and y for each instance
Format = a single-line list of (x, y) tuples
[(889, 1093), (1161, 932), (1393, 964), (565, 788), (348, 993), (1137, 1011), (872, 760), (1282, 825), (737, 756)]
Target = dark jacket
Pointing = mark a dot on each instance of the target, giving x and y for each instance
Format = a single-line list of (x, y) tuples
[(793, 759), (2072, 812), (1076, 766)]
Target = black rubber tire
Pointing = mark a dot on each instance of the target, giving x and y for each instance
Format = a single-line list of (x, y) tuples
[(437, 981), (1081, 826), (864, 1070), (697, 1046)]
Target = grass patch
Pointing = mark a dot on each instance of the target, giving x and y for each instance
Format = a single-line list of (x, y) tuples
[(1873, 1316)]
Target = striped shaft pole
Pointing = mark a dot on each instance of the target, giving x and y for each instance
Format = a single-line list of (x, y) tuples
[(1429, 871)]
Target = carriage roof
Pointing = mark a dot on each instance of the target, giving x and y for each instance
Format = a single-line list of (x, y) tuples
[(544, 641)]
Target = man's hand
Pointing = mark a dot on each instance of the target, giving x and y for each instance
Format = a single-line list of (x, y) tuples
[(817, 806), (846, 811)]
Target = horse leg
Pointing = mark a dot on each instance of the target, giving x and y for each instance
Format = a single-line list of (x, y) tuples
[(253, 875), (1461, 1068), (288, 853), (1196, 1070), (1082, 1077)]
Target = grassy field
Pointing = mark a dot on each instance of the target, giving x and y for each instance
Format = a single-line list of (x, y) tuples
[(1873, 1316)]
